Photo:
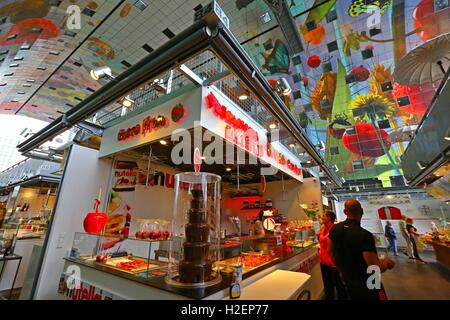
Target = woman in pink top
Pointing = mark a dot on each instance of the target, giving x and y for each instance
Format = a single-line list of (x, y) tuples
[(330, 274)]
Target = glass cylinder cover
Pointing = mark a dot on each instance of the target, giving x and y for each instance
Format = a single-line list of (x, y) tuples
[(195, 247)]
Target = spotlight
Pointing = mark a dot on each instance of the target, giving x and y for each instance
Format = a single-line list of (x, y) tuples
[(283, 87), (273, 125), (292, 145), (159, 85), (241, 92), (309, 162), (100, 73), (163, 142), (126, 102), (301, 154)]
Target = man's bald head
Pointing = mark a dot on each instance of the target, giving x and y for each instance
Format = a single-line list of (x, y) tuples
[(353, 209)]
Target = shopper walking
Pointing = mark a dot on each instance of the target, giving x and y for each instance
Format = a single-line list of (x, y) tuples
[(414, 238), (353, 251), (390, 235), (405, 234), (330, 275)]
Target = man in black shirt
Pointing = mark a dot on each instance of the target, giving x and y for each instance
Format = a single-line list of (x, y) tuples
[(353, 251)]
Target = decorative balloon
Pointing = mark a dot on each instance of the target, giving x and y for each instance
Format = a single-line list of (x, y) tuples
[(94, 222), (314, 61), (361, 74), (364, 142)]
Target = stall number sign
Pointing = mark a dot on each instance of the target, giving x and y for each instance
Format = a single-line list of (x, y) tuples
[(211, 11)]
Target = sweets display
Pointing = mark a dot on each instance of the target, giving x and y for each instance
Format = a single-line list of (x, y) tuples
[(196, 267), (152, 235)]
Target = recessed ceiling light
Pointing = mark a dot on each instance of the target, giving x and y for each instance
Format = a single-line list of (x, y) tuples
[(301, 154), (273, 125), (291, 145), (308, 162), (127, 102), (163, 142), (228, 169)]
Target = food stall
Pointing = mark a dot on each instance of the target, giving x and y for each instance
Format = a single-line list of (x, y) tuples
[(134, 175), (27, 213), (440, 241)]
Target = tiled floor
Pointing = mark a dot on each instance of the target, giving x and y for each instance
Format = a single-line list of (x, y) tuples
[(413, 281)]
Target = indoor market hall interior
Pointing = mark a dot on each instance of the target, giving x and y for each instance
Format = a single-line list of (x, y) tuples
[(217, 150)]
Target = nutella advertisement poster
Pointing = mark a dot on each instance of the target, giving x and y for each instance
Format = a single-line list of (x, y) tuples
[(121, 198)]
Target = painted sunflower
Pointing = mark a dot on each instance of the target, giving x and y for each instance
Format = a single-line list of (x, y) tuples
[(372, 105)]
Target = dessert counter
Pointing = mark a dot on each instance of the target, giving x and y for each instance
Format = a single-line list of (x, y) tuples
[(126, 279)]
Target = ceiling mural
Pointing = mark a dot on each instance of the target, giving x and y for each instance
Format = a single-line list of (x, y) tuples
[(344, 89), (345, 92)]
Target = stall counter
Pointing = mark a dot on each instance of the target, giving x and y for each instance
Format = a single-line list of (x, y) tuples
[(99, 282)]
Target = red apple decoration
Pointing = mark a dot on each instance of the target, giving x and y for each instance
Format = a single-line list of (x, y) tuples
[(365, 142), (95, 222)]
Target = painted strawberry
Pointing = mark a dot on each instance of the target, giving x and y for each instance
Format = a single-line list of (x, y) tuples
[(178, 113)]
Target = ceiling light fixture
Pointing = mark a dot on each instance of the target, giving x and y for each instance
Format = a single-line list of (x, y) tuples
[(127, 102), (159, 86), (163, 142), (241, 92), (292, 145), (283, 87), (273, 125), (228, 169), (100, 73), (301, 153), (447, 135)]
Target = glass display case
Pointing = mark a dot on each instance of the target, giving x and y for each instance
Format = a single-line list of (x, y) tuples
[(195, 245), (142, 258), (8, 236)]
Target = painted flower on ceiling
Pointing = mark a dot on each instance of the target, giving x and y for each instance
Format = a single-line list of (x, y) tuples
[(323, 95)]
